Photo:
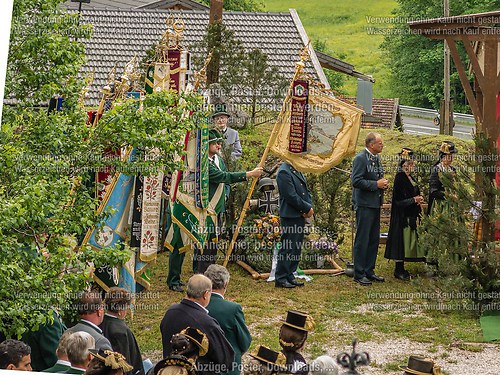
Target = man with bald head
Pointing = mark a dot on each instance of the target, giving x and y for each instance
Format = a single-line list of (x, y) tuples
[(192, 312), (368, 185)]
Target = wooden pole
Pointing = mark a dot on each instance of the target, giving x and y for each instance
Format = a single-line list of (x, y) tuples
[(272, 139), (446, 116)]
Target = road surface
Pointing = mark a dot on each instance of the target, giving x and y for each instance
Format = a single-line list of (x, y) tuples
[(412, 125)]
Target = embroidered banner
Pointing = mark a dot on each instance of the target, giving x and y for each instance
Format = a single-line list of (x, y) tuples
[(297, 141), (332, 127)]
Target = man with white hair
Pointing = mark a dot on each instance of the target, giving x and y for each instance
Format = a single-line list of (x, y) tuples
[(228, 314), (192, 312), (77, 348)]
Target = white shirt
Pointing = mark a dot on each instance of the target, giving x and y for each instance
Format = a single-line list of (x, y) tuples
[(93, 325), (203, 307), (215, 159)]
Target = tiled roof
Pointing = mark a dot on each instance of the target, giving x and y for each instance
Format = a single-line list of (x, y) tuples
[(107, 4), (174, 4), (385, 113), (119, 35)]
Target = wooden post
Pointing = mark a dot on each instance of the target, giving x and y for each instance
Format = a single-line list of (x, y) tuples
[(215, 22), (445, 114)]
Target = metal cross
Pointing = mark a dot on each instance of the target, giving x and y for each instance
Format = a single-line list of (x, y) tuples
[(268, 203)]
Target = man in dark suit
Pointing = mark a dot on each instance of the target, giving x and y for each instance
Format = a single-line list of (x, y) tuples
[(114, 328), (368, 185), (295, 208), (192, 312), (228, 314), (91, 310)]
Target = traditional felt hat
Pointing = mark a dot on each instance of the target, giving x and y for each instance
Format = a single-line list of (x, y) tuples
[(198, 338), (175, 360), (448, 147), (220, 110), (111, 359), (407, 154), (269, 357), (300, 320), (215, 136), (421, 366)]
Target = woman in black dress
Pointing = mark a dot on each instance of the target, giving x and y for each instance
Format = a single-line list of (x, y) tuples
[(405, 213)]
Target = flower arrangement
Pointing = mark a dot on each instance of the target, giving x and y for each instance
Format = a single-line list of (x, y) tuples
[(324, 246), (266, 232)]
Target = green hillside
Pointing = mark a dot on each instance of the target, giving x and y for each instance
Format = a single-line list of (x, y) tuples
[(344, 26)]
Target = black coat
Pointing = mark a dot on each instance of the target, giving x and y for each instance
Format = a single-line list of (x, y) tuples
[(297, 359), (220, 354), (404, 212), (123, 341), (436, 188)]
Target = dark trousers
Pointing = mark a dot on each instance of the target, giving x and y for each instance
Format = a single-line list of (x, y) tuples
[(292, 235), (208, 257), (175, 260), (366, 242)]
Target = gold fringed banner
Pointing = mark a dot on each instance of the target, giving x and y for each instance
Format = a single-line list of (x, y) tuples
[(333, 129)]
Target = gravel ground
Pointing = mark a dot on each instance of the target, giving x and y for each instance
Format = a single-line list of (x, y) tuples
[(484, 359)]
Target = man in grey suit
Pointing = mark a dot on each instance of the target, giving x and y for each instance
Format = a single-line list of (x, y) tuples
[(91, 310), (231, 136), (368, 185)]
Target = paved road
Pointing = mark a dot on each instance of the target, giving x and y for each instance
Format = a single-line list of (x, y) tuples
[(414, 125)]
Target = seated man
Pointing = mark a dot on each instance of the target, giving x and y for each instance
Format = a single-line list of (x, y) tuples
[(192, 312), (91, 309), (63, 364), (15, 355), (228, 314), (79, 345)]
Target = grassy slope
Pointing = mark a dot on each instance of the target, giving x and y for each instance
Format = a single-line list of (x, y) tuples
[(342, 25), (341, 308)]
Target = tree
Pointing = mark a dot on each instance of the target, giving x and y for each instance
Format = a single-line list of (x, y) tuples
[(243, 74), (454, 239), (46, 160), (264, 84), (416, 62)]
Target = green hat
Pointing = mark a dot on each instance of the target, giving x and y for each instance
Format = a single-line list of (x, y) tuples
[(215, 136), (220, 110)]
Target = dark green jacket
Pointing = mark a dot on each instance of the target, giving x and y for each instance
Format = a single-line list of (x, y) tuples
[(218, 176), (73, 370), (58, 367), (230, 317), (43, 343)]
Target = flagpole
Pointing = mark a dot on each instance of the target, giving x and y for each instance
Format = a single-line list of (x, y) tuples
[(272, 139)]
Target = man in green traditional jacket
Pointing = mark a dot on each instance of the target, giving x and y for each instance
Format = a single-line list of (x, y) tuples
[(229, 315), (218, 176)]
